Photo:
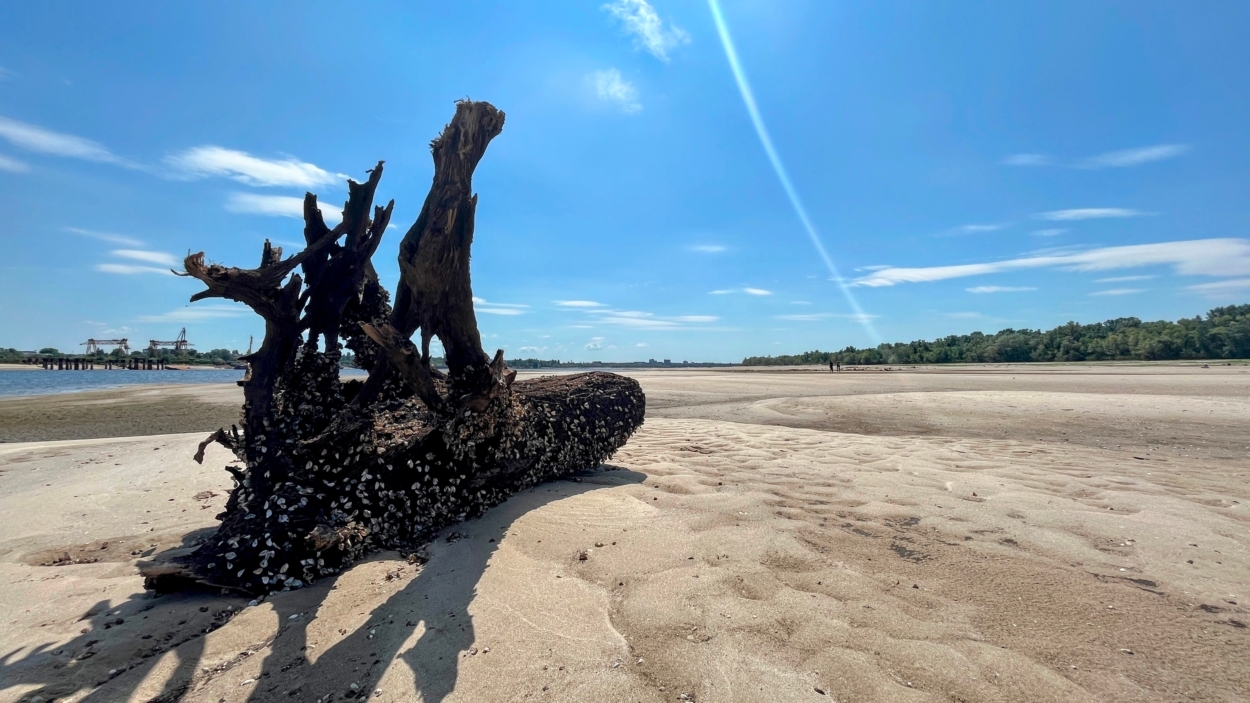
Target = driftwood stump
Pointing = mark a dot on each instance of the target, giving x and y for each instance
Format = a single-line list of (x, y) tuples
[(331, 470)]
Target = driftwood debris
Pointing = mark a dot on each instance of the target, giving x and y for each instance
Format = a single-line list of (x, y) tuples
[(332, 470)]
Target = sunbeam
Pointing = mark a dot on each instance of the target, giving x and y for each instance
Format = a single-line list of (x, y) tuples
[(748, 98)]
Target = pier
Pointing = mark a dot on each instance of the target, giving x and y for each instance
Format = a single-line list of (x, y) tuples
[(91, 363)]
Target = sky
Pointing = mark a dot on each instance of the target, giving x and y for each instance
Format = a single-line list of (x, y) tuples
[(696, 180)]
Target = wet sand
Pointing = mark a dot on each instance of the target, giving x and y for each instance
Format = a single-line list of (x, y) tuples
[(120, 412), (1052, 533)]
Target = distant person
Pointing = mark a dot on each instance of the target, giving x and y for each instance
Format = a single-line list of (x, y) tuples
[(839, 365), (831, 366)]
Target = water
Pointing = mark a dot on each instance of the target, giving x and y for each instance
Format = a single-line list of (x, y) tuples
[(42, 382)]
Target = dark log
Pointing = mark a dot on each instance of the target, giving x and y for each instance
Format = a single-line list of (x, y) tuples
[(334, 470)]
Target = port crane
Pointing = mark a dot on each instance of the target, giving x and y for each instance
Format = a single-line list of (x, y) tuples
[(179, 345), (93, 345)]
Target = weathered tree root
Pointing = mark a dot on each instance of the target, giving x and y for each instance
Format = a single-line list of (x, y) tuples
[(334, 470), (390, 480)]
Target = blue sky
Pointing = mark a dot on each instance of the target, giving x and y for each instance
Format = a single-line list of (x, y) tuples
[(964, 166)]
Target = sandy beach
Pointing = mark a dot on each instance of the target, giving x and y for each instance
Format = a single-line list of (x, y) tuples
[(978, 533)]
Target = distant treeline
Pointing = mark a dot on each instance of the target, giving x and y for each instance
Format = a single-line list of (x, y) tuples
[(1223, 334)]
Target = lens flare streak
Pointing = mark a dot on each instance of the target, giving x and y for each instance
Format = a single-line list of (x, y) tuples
[(748, 98)]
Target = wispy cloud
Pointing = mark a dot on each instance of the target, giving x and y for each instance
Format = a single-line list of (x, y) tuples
[(483, 306), (12, 165), (800, 302), (611, 87), (976, 229), (696, 318), (707, 248), (1087, 213), (594, 343), (105, 237), (817, 316), (254, 171), (1119, 291), (1222, 289), (637, 319), (1111, 159), (642, 21), (198, 313), (132, 269), (745, 289), (1054, 232), (272, 205), (1123, 279), (1027, 160), (999, 289), (37, 139), (531, 349), (578, 304), (151, 257), (1134, 157), (1201, 257), (642, 344)]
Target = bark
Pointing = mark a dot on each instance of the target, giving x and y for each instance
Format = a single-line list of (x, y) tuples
[(332, 470)]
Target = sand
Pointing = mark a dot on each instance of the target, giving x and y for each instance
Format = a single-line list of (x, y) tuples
[(120, 412), (960, 534)]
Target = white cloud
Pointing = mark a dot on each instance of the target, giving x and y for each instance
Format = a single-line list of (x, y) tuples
[(245, 168), (483, 306), (817, 316), (106, 237), (708, 248), (1027, 160), (132, 269), (642, 344), (1087, 213), (642, 21), (198, 313), (1134, 157), (1119, 291), (1199, 257), (976, 229), (37, 139), (151, 257), (12, 165), (636, 319), (1222, 289), (533, 350), (594, 343), (800, 302), (806, 318), (745, 289), (272, 205), (610, 86), (578, 304), (1122, 279), (1111, 159), (999, 289), (1047, 232)]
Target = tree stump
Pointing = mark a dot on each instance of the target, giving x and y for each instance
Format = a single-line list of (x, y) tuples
[(332, 470)]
